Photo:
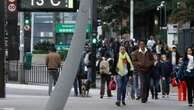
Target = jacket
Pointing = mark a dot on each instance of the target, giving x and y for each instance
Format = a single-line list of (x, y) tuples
[(53, 61), (166, 69), (122, 59), (156, 71), (177, 57), (143, 62), (182, 72)]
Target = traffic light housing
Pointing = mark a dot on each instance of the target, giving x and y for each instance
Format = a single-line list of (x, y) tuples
[(27, 31), (27, 19)]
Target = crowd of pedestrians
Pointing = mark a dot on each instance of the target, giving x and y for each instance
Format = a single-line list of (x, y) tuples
[(148, 67)]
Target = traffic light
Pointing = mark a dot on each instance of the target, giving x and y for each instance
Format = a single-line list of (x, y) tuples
[(27, 21), (27, 31), (94, 37), (94, 40)]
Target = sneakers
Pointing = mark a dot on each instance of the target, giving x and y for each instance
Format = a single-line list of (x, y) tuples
[(156, 98), (124, 103), (110, 95), (144, 100), (138, 98), (153, 97), (190, 105), (118, 104)]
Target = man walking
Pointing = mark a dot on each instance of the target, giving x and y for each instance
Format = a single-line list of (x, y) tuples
[(53, 63), (143, 61)]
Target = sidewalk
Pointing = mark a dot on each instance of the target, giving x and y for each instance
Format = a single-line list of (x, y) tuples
[(37, 102)]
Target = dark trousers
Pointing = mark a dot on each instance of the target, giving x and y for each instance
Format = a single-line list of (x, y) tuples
[(77, 84), (121, 87), (190, 87), (145, 85), (105, 78), (166, 86), (155, 87)]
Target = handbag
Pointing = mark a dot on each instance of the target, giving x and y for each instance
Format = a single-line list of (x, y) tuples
[(174, 82), (112, 85)]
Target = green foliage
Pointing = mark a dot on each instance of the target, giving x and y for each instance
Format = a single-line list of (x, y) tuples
[(63, 53), (113, 11), (40, 52), (42, 47)]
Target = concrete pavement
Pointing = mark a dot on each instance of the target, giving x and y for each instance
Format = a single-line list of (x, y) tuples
[(37, 101)]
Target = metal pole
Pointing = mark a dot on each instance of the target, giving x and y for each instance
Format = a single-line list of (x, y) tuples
[(21, 36), (63, 87), (132, 20), (21, 72), (32, 32), (2, 50), (94, 30)]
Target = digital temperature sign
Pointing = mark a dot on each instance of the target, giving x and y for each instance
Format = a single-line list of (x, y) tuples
[(47, 5)]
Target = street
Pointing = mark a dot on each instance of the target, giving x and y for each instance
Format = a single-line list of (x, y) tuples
[(127, 48), (30, 97)]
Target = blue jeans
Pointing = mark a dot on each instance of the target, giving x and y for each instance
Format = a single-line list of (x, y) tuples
[(121, 87), (89, 74), (136, 85), (53, 77)]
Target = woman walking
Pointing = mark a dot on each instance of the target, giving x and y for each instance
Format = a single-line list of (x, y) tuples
[(186, 72), (123, 67)]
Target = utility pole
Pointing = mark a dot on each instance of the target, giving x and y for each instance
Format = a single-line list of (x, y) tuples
[(93, 15), (2, 49), (132, 20)]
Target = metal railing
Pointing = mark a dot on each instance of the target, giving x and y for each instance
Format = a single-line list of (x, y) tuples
[(36, 75)]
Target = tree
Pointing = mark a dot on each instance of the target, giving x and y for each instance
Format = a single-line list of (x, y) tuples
[(114, 11), (183, 11)]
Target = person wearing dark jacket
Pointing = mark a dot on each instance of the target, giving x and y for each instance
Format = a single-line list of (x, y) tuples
[(78, 80), (186, 72), (166, 70), (173, 57), (155, 77), (143, 61)]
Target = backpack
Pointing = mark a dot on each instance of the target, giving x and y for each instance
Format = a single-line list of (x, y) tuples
[(104, 67)]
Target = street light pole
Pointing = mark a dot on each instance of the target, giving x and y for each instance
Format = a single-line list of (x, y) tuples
[(132, 20)]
